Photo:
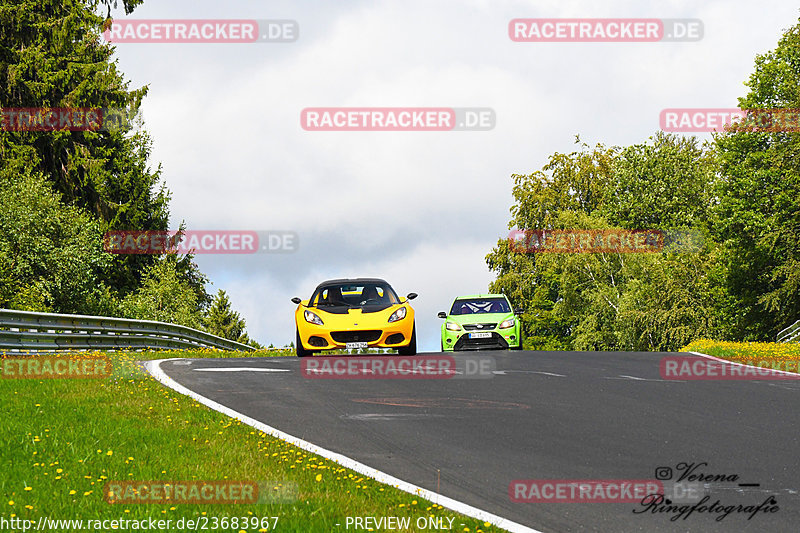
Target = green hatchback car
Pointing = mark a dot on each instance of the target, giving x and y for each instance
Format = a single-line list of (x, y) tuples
[(481, 322)]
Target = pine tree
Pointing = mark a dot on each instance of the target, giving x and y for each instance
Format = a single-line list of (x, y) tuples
[(52, 55), (221, 320)]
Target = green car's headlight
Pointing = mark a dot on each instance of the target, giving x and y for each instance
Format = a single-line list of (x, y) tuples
[(312, 318), (452, 326), (507, 323), (400, 314)]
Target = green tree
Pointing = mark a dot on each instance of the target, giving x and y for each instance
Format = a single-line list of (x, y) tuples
[(568, 183), (51, 257), (604, 301), (591, 286), (666, 184), (662, 184), (221, 320), (669, 303), (52, 55), (165, 296), (758, 216)]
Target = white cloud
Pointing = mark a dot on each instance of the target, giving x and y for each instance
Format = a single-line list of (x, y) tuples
[(421, 209)]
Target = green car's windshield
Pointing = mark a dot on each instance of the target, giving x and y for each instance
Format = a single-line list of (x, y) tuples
[(474, 306)]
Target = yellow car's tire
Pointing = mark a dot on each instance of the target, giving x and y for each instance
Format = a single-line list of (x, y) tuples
[(411, 349), (301, 351)]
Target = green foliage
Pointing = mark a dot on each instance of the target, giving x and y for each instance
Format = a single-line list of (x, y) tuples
[(609, 301), (164, 296), (662, 184), (221, 320), (52, 56), (742, 193), (129, 5), (668, 304), (568, 183), (51, 257), (62, 190), (758, 216)]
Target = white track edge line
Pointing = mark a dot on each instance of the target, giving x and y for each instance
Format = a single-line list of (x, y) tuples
[(154, 368), (748, 366)]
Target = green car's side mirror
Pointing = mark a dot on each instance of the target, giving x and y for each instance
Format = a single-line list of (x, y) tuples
[(442, 314)]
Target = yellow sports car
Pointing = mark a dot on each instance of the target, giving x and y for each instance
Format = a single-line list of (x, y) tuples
[(355, 313)]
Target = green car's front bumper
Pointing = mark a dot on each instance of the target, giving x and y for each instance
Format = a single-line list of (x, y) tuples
[(481, 339)]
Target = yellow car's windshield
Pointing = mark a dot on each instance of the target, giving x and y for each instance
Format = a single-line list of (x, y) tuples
[(354, 295)]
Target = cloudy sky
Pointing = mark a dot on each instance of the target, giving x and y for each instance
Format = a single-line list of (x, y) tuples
[(418, 208)]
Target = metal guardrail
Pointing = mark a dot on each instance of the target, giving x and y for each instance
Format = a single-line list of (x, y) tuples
[(790, 334), (44, 332)]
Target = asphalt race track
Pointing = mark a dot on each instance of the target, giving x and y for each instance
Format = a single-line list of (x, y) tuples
[(543, 415)]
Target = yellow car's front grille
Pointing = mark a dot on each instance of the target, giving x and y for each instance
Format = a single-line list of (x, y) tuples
[(356, 336)]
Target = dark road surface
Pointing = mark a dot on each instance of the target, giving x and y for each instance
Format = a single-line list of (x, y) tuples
[(543, 415)]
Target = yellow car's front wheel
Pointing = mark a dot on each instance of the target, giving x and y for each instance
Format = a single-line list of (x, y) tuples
[(300, 349), (411, 349)]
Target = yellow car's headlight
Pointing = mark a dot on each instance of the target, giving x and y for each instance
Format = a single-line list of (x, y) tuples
[(312, 318), (400, 314), (507, 323), (452, 326)]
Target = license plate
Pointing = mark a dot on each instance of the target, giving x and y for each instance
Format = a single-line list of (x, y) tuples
[(355, 345), (481, 335)]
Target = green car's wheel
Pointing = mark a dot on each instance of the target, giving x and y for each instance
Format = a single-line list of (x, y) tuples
[(520, 343), (301, 351), (411, 349)]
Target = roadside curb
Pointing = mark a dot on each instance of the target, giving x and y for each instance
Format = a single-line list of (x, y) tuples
[(154, 368)]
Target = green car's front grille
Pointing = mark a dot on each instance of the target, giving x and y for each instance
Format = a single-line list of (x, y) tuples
[(485, 327)]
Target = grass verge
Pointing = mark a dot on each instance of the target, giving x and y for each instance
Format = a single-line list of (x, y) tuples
[(780, 355), (64, 439)]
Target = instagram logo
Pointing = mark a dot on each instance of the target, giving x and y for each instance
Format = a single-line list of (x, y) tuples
[(663, 473)]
